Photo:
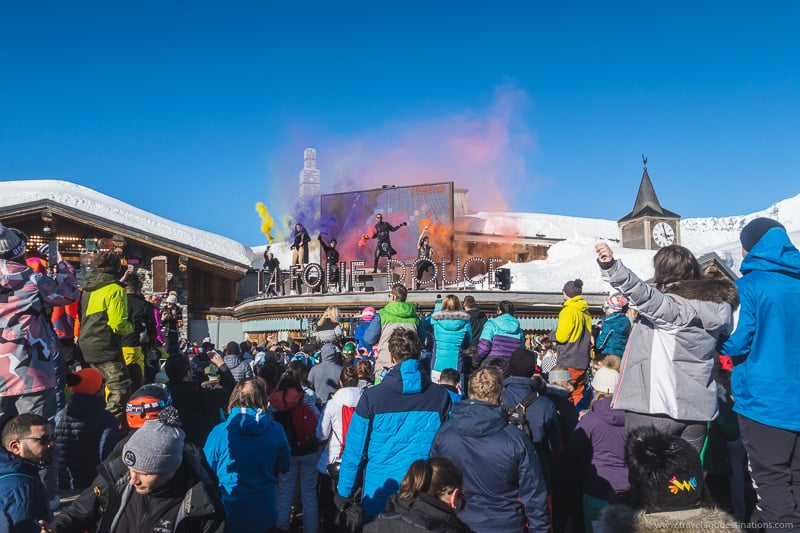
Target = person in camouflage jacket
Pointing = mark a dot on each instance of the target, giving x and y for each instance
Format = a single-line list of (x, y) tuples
[(28, 342)]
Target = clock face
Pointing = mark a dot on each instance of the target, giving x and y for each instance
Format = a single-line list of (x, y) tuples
[(663, 234)]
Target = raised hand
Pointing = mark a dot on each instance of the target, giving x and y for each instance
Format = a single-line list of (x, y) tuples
[(604, 253)]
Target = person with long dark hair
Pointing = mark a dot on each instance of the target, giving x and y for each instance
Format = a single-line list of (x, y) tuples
[(666, 372), (431, 494)]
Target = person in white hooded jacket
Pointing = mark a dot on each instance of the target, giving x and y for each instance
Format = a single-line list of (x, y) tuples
[(333, 428), (665, 375)]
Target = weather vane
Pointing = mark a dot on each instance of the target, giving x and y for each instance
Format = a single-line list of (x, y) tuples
[(644, 161)]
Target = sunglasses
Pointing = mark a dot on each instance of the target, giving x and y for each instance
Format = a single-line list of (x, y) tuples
[(44, 439)]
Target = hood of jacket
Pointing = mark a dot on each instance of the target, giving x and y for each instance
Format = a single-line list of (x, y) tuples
[(707, 290), (506, 325), (249, 421), (774, 252), (577, 303), (474, 418), (475, 313), (407, 378), (330, 354), (612, 417), (425, 512), (625, 518), (97, 280), (398, 310), (284, 400), (14, 464), (450, 320), (84, 405), (520, 385)]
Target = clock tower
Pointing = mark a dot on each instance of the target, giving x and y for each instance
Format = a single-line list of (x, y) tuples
[(649, 226)]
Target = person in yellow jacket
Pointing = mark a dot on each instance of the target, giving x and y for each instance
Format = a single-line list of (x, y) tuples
[(574, 336), (104, 320)]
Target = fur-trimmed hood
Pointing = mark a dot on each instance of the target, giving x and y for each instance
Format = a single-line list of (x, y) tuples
[(450, 315), (625, 518), (707, 290)]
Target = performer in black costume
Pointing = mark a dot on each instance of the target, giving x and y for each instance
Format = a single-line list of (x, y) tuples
[(272, 267), (331, 259), (384, 248), (300, 246), (425, 252)]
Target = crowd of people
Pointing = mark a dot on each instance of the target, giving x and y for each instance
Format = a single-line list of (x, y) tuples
[(660, 415)]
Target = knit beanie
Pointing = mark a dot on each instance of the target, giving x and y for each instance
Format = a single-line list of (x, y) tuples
[(755, 229), (156, 447), (368, 313), (12, 242), (573, 288), (615, 303), (85, 381), (665, 471), (605, 380), (559, 376), (522, 363)]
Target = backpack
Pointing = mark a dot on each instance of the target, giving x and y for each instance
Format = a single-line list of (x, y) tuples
[(516, 415), (347, 415), (304, 429), (300, 425)]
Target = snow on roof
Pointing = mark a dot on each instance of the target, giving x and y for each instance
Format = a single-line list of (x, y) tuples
[(84, 199), (572, 258)]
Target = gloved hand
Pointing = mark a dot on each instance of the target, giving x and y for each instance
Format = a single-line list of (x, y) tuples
[(404, 224), (340, 501)]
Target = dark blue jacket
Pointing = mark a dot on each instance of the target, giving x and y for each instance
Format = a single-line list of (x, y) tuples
[(541, 414), (503, 481), (766, 342), (86, 433), (247, 451), (614, 334), (22, 499), (393, 426)]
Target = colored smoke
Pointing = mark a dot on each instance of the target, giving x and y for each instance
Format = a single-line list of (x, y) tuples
[(267, 223), (483, 151)]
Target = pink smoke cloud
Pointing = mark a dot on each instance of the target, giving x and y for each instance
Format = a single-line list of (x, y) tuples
[(483, 150)]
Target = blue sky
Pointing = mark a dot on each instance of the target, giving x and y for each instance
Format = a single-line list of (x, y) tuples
[(195, 111)]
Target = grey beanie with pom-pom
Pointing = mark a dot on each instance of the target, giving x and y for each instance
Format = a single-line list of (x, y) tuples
[(156, 447), (573, 288)]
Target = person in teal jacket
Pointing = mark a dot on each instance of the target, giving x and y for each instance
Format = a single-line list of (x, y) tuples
[(247, 452), (501, 335), (765, 348), (452, 333)]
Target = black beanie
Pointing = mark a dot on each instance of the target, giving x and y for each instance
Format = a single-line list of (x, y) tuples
[(522, 363), (573, 288), (755, 229), (665, 471)]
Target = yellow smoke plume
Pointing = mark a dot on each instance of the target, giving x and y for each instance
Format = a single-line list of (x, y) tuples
[(267, 222)]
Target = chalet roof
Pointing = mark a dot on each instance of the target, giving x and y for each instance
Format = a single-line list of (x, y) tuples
[(84, 205), (647, 203)]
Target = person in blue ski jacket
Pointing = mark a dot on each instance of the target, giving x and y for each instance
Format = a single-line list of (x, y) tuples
[(765, 345), (393, 425), (247, 451)]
